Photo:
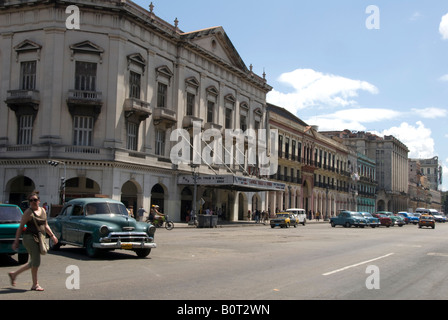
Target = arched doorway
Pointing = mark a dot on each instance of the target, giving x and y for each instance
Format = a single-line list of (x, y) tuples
[(19, 188), (381, 205), (242, 206), (129, 195), (158, 196)]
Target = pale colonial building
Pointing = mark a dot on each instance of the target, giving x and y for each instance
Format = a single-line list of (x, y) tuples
[(317, 170), (103, 100), (391, 161)]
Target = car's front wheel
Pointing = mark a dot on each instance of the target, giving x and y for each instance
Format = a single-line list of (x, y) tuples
[(91, 251), (142, 253)]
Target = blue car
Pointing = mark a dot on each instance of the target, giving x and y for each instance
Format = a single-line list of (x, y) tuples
[(373, 222), (348, 219), (409, 217), (10, 216)]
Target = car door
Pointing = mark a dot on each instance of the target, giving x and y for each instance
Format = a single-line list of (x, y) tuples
[(72, 224)]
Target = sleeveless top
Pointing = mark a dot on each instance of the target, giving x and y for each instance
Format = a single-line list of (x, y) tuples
[(40, 220)]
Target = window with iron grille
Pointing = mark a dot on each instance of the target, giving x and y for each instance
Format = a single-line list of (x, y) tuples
[(210, 111), (85, 76), (134, 85), (160, 143), (28, 75), (83, 130), (162, 95), (25, 130), (132, 135), (190, 103)]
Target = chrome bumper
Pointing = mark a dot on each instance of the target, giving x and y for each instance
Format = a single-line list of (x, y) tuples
[(126, 240)]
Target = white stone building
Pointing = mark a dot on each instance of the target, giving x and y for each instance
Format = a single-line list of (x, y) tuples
[(104, 98)]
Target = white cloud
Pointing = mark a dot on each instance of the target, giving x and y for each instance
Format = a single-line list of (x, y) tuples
[(444, 78), (431, 113), (352, 119), (313, 88), (417, 138), (443, 28)]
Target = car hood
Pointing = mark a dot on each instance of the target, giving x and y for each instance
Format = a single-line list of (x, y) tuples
[(8, 228), (116, 219)]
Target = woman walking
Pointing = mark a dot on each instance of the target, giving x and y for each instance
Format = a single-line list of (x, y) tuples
[(39, 215)]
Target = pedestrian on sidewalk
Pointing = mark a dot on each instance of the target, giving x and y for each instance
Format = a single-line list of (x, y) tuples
[(39, 215)]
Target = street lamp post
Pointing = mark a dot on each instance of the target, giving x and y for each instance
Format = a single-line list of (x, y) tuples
[(55, 163), (195, 191)]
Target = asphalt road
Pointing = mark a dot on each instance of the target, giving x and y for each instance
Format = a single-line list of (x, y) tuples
[(314, 262)]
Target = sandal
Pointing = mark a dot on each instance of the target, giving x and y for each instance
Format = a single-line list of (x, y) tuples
[(12, 279), (37, 288)]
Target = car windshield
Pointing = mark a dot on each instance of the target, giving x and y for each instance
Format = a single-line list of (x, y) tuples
[(356, 214), (282, 215), (367, 215), (10, 215), (105, 208)]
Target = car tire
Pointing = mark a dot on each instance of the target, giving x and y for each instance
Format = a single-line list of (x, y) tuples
[(347, 225), (90, 250), (332, 224), (143, 253)]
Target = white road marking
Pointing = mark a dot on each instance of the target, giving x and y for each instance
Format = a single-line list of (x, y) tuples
[(357, 265)]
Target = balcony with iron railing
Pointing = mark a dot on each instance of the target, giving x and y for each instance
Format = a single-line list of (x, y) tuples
[(137, 107), (164, 117), (17, 98), (81, 97)]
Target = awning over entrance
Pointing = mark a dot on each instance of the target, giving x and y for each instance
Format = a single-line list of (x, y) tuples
[(231, 182)]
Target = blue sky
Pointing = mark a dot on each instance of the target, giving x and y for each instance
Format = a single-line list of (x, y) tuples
[(329, 69)]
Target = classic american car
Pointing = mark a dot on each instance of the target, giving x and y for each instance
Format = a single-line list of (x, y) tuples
[(10, 216), (396, 220), (348, 219), (101, 224), (384, 220), (284, 220), (408, 217), (427, 220), (373, 222)]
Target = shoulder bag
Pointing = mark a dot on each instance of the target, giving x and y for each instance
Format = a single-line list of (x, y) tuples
[(40, 238)]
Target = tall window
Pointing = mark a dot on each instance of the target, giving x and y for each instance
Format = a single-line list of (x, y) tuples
[(160, 143), (210, 110), (83, 130), (228, 118), (134, 83), (190, 103), (132, 135), (162, 95), (25, 130), (85, 76), (243, 123), (28, 75)]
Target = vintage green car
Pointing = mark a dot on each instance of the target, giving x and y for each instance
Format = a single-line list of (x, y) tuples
[(99, 224), (10, 216)]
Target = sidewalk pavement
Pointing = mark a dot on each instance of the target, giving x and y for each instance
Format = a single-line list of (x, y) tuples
[(236, 224)]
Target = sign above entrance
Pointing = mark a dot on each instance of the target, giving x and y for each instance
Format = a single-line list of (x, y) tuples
[(233, 183)]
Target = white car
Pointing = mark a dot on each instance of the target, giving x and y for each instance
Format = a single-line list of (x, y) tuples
[(299, 215)]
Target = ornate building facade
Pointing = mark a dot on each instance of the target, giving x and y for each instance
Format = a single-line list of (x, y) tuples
[(103, 99)]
